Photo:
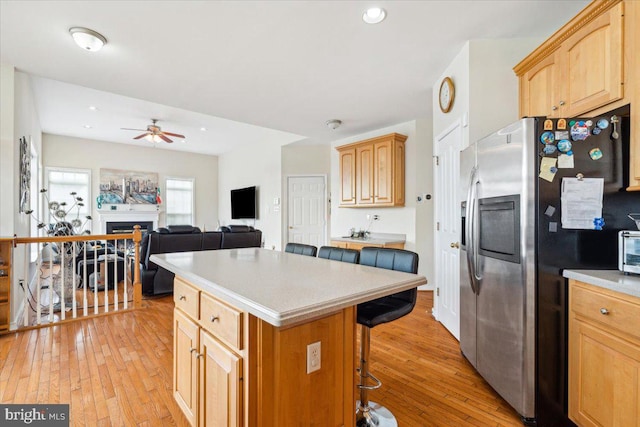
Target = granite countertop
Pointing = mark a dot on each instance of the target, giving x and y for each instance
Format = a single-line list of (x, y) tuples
[(282, 288), (614, 280), (374, 238)]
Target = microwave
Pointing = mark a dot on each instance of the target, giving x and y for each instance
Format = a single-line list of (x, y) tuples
[(629, 251)]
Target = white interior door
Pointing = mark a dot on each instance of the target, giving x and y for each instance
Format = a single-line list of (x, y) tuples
[(447, 235), (307, 210)]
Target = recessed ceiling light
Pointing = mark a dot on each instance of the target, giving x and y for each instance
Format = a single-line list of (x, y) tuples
[(184, 140), (87, 126), (203, 129), (87, 39), (92, 107), (374, 15)]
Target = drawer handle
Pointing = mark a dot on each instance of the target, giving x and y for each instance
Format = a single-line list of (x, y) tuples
[(214, 318), (183, 298), (604, 311), (199, 355), (191, 350)]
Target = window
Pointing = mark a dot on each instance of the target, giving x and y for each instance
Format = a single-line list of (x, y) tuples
[(179, 201), (60, 183)]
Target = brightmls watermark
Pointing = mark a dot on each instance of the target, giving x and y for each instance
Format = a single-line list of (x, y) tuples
[(54, 415)]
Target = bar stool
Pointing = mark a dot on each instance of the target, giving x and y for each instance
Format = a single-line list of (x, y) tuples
[(374, 313), (301, 249), (339, 254)]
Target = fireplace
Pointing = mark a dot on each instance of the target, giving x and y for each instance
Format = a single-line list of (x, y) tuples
[(126, 227)]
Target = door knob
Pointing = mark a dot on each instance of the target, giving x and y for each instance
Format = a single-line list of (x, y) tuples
[(455, 245), (290, 227)]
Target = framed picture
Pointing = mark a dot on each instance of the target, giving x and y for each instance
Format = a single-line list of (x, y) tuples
[(130, 187)]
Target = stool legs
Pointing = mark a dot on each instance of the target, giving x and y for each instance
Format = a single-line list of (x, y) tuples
[(369, 414)]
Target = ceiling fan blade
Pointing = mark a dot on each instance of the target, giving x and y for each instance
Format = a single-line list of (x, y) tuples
[(141, 130), (164, 138), (141, 136), (177, 135)]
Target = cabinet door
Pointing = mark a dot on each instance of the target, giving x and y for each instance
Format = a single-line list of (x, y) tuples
[(365, 174), (220, 384), (592, 62), (604, 377), (398, 174), (383, 173), (185, 367), (339, 244), (348, 177), (537, 97)]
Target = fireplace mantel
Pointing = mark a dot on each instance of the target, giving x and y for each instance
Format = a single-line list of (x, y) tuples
[(125, 213)]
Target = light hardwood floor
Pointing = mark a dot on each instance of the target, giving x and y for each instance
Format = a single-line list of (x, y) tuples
[(116, 370)]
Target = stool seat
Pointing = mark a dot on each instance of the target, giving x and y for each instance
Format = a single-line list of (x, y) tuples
[(386, 309), (351, 256), (301, 249)]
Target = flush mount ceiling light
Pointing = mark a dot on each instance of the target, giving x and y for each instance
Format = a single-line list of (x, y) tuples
[(87, 39), (333, 124), (374, 15)]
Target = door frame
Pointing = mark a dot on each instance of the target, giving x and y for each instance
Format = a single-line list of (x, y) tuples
[(325, 200), (457, 123)]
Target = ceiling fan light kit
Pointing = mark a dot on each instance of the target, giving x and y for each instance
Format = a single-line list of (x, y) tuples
[(154, 133), (87, 39)]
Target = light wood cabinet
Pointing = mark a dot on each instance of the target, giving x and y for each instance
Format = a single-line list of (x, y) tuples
[(5, 284), (589, 67), (358, 246), (207, 375), (604, 357), (233, 369), (377, 176)]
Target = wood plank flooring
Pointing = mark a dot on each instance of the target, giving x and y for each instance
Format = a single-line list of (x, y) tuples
[(116, 371)]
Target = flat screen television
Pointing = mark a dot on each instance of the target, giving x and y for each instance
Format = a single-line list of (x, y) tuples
[(243, 203)]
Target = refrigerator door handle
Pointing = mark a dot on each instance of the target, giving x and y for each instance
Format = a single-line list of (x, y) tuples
[(469, 233)]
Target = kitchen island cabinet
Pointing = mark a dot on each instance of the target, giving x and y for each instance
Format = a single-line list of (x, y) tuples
[(244, 319), (604, 354)]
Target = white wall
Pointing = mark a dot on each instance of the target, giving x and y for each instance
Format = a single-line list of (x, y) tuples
[(303, 160), (8, 147), (259, 165), (424, 209), (64, 151)]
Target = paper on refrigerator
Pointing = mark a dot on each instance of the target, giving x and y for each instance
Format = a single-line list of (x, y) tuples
[(581, 202)]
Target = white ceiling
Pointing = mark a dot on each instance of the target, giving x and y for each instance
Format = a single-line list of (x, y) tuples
[(267, 71)]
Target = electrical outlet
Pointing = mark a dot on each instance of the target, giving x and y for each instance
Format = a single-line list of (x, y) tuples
[(313, 357)]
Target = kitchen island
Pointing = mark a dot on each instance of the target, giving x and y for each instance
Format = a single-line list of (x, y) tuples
[(604, 348), (243, 322)]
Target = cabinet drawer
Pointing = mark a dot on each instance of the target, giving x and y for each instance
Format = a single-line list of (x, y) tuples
[(613, 312), (186, 298), (221, 320)]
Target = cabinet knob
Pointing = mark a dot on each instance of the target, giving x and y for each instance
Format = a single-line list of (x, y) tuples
[(561, 103), (604, 311), (182, 298), (214, 318), (554, 108)]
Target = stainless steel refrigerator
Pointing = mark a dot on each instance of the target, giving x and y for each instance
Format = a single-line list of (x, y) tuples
[(513, 298)]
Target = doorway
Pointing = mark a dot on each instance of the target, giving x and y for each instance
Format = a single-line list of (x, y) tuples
[(307, 210), (447, 241)]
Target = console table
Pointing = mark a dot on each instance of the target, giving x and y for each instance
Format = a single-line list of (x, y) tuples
[(243, 323)]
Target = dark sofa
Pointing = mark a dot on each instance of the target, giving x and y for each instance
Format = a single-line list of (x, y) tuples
[(185, 238)]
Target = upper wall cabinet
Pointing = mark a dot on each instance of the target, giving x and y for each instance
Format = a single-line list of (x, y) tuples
[(579, 69), (372, 172), (589, 67)]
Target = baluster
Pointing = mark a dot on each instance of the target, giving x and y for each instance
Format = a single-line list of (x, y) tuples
[(125, 293), (115, 278), (96, 267), (51, 293), (38, 284), (63, 261), (74, 282), (84, 279), (106, 277), (25, 283)]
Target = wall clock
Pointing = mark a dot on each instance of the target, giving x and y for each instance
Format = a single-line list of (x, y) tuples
[(446, 95)]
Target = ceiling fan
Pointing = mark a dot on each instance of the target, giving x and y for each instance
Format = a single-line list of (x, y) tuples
[(154, 133)]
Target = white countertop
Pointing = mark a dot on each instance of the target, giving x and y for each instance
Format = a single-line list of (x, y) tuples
[(283, 288), (614, 280), (374, 239)]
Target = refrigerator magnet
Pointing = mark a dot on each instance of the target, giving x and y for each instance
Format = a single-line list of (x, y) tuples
[(553, 227), (548, 124), (562, 124), (579, 131), (547, 138), (595, 153), (602, 123), (550, 211), (564, 145), (562, 134), (549, 149), (598, 223), (596, 131)]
